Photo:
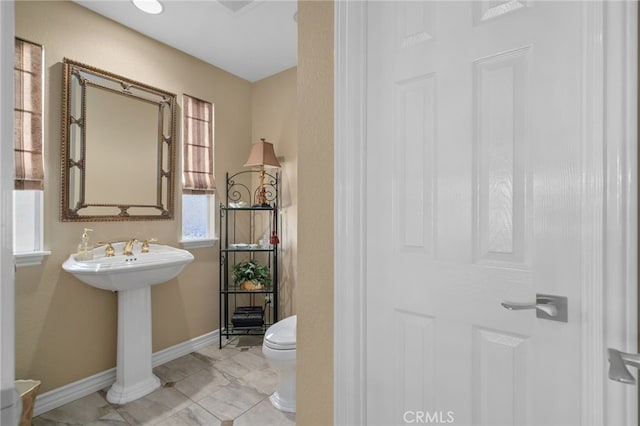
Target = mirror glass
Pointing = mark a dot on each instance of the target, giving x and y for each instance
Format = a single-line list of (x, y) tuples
[(118, 148)]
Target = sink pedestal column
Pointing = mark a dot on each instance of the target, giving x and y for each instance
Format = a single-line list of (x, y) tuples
[(134, 375)]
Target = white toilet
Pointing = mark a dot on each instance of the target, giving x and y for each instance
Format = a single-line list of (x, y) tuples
[(279, 349)]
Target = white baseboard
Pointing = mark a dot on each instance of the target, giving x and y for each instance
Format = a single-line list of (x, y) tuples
[(68, 393), (184, 348)]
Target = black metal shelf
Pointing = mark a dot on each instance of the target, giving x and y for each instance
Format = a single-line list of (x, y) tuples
[(247, 292), (242, 331), (239, 225), (232, 250), (248, 208)]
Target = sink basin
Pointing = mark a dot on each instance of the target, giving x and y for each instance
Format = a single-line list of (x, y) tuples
[(132, 277), (117, 273)]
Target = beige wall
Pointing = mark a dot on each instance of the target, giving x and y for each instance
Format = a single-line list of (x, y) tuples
[(275, 118), (66, 330), (314, 291)]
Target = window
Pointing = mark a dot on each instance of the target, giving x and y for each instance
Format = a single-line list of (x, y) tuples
[(198, 182), (28, 157)]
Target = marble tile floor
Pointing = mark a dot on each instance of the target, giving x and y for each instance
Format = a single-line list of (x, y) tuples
[(212, 387)]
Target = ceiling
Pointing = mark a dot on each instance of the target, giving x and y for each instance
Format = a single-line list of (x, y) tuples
[(251, 39)]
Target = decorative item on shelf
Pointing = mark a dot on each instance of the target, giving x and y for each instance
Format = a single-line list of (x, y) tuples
[(239, 245), (251, 275), (274, 238), (274, 235), (262, 155), (238, 205), (248, 316), (264, 241)]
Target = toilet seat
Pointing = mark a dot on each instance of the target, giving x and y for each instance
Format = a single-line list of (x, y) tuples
[(282, 335)]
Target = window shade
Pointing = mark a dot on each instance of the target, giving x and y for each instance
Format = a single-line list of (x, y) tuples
[(28, 165), (198, 175)]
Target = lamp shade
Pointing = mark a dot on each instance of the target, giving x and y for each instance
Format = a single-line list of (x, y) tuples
[(261, 155)]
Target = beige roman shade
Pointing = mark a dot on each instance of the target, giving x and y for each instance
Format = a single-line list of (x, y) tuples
[(198, 175), (29, 171)]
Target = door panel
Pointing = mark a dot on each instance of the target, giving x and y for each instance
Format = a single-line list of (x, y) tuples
[(500, 177), (499, 377), (415, 165), (474, 178)]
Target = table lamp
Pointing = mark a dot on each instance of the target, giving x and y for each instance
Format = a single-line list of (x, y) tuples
[(262, 155)]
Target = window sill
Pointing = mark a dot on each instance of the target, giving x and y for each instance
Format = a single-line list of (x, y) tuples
[(32, 258), (195, 244)]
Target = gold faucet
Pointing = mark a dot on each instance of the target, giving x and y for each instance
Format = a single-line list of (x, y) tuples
[(145, 245), (128, 248), (109, 251)]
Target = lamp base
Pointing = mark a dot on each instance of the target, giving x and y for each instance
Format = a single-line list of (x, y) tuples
[(261, 196)]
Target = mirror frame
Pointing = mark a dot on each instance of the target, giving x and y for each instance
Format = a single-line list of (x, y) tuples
[(87, 75)]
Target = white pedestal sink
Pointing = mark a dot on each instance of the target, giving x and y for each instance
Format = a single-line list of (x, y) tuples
[(132, 277)]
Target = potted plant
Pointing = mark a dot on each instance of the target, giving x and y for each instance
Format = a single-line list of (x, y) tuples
[(251, 275)]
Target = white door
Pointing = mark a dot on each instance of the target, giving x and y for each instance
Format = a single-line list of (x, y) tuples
[(476, 195)]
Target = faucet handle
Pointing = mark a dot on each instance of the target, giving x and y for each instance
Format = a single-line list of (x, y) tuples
[(145, 245), (109, 251)]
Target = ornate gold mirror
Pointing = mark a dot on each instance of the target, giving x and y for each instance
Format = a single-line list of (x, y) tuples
[(118, 147)]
